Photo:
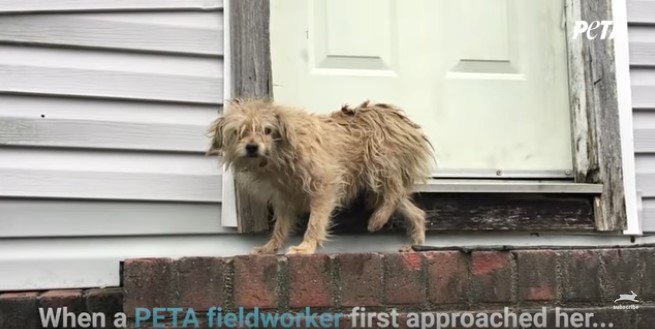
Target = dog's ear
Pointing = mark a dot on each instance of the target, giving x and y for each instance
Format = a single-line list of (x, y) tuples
[(287, 133), (216, 134)]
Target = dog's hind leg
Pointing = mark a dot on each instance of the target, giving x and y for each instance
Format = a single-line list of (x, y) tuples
[(321, 208), (415, 218), (284, 224), (383, 211)]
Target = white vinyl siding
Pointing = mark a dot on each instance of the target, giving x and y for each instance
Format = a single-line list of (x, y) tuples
[(104, 108), (641, 17)]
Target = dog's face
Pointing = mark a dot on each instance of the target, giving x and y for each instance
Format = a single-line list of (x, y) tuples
[(251, 131)]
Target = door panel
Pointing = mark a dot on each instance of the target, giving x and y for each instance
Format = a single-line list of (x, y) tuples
[(486, 79), (365, 48)]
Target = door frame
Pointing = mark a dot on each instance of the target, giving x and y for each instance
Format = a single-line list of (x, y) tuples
[(599, 140)]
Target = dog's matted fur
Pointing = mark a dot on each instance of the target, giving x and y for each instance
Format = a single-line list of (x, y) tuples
[(300, 162)]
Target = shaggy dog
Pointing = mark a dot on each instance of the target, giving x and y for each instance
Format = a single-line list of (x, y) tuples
[(299, 162)]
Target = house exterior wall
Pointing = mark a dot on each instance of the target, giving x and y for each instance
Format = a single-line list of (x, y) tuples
[(641, 29), (104, 107), (103, 111)]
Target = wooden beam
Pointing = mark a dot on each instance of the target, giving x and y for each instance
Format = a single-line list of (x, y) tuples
[(594, 113), (251, 77), (486, 212), (505, 186)]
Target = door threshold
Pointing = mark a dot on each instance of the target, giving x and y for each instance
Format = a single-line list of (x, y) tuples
[(506, 186)]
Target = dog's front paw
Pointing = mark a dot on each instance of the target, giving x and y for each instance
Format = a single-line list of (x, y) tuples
[(406, 248), (301, 249), (263, 250)]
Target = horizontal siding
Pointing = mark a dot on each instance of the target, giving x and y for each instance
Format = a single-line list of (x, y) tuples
[(645, 164), (109, 84), (648, 214), (109, 185), (103, 119), (99, 74), (21, 6), (109, 175), (88, 30), (33, 218), (643, 87), (646, 183), (68, 122), (644, 131), (641, 34), (641, 11), (103, 134), (104, 60), (108, 161), (75, 108), (642, 46)]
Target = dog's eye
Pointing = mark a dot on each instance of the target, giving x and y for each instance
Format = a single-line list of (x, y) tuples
[(267, 131)]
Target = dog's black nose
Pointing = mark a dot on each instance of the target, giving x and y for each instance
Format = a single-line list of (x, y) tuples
[(252, 148)]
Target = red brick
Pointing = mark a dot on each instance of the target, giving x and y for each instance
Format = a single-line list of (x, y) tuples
[(105, 300), (18, 310), (255, 281), (622, 272), (71, 299), (447, 277), (360, 279), (537, 275), (492, 274), (404, 282), (648, 284), (581, 270), (646, 317), (309, 281), (201, 282), (148, 282)]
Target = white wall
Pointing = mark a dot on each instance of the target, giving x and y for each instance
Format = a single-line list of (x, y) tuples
[(104, 107), (641, 18)]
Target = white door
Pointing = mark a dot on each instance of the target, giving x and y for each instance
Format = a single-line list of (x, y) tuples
[(487, 79)]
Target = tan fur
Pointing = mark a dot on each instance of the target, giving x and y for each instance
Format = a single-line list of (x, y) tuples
[(318, 163)]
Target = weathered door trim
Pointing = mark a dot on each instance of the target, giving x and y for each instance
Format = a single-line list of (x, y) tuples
[(594, 113), (250, 66)]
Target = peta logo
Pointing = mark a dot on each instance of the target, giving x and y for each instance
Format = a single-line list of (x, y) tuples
[(627, 298), (632, 297), (593, 30)]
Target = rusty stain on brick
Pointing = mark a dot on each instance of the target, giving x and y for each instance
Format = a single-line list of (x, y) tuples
[(412, 260), (487, 262)]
